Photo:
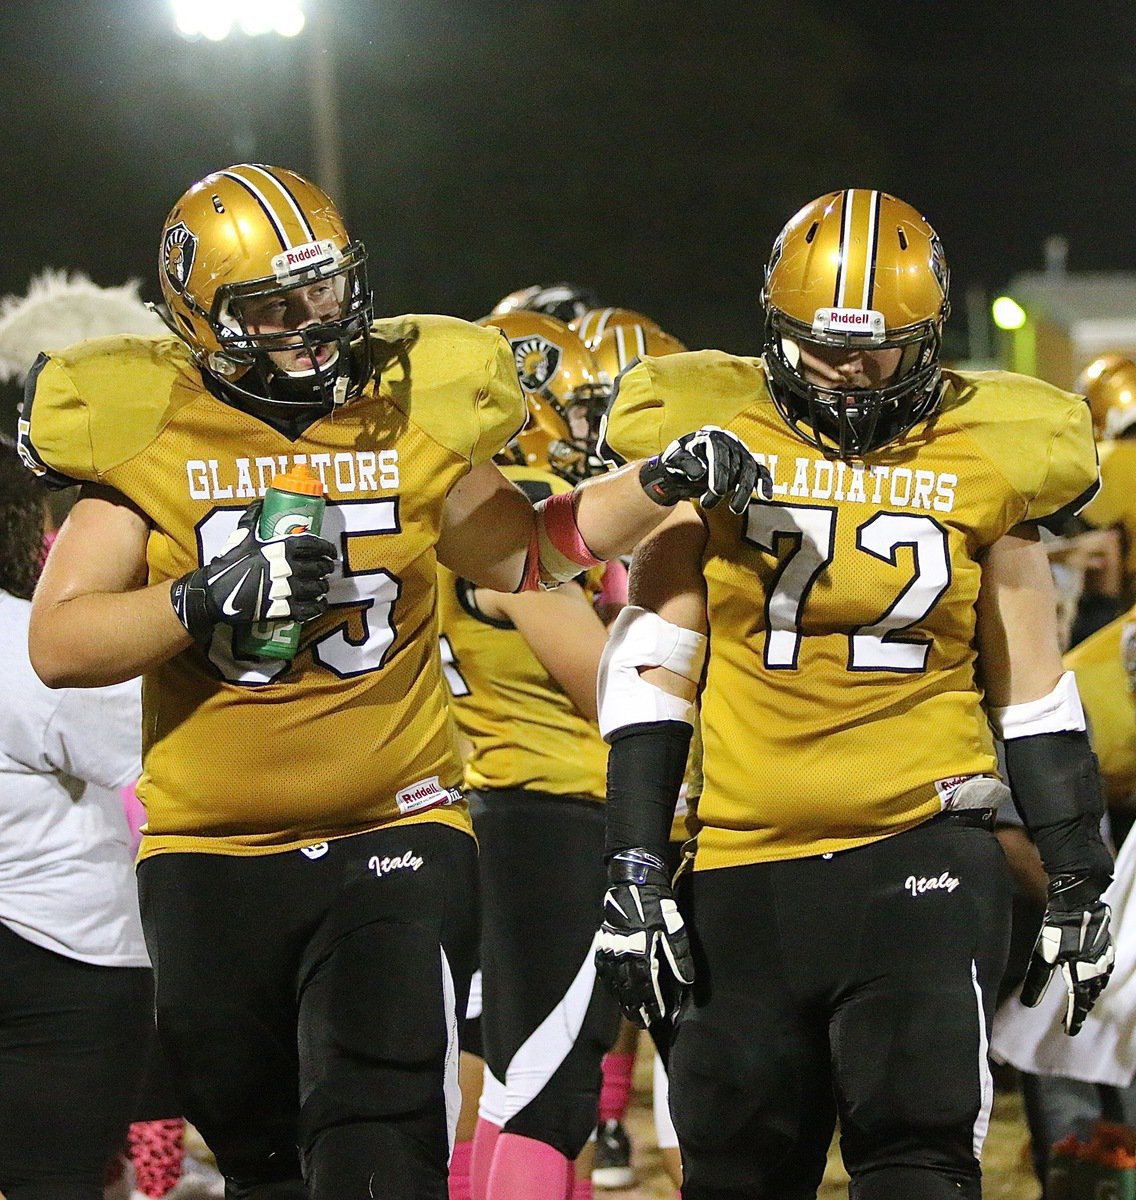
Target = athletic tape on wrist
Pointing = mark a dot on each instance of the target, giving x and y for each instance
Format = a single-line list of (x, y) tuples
[(1058, 712), (563, 551)]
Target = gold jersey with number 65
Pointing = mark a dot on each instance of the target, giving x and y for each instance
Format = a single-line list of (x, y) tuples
[(246, 756), (840, 703)]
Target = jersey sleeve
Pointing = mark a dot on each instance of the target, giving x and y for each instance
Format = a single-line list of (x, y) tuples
[(633, 427), (1034, 436), (54, 438), (1071, 475), (659, 399), (501, 408)]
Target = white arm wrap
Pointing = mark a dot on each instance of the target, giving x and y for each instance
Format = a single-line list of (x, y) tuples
[(1059, 712), (554, 564), (640, 638)]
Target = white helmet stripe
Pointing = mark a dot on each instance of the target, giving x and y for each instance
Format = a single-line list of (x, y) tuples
[(870, 258), (840, 299), (273, 210), (289, 199)]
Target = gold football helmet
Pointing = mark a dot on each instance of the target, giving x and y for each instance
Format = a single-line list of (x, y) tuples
[(623, 344), (1109, 385), (248, 237), (564, 301), (515, 300), (597, 321), (855, 269), (565, 393)]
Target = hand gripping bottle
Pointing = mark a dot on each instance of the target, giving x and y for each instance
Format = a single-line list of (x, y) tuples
[(293, 503)]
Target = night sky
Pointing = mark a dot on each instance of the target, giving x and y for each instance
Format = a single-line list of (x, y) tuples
[(651, 150)]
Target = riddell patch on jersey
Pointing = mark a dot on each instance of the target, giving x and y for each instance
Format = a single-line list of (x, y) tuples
[(947, 788), (865, 321), (179, 248), (537, 361), (426, 793)]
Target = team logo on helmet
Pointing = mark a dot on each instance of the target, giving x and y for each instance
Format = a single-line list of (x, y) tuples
[(939, 263), (537, 361), (179, 247), (775, 253)]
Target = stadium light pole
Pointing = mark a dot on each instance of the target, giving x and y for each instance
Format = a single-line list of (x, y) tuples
[(216, 20)]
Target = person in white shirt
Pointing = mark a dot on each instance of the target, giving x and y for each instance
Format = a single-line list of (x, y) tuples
[(75, 980)]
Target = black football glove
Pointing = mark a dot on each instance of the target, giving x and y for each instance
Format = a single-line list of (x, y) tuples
[(1075, 937), (642, 951), (707, 465), (251, 580)]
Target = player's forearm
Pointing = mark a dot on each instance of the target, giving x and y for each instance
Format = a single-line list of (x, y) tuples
[(614, 513), (101, 638)]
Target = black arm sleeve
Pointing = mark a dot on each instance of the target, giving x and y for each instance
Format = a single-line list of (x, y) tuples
[(1055, 781), (645, 766)]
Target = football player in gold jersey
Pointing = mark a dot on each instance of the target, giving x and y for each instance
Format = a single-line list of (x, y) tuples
[(868, 620), (307, 874)]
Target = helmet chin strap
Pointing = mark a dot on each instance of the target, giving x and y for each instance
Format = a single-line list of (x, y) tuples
[(342, 377), (310, 388)]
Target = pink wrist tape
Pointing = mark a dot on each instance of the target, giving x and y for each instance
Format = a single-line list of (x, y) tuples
[(563, 551)]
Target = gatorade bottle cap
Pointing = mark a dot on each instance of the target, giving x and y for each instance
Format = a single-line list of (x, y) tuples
[(301, 480)]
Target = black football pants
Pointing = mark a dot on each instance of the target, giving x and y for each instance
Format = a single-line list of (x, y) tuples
[(308, 1007), (546, 1021), (860, 984)]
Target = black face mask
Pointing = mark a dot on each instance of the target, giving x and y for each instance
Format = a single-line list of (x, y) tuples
[(852, 422)]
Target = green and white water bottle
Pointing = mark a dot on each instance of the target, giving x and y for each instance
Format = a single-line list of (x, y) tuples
[(293, 503)]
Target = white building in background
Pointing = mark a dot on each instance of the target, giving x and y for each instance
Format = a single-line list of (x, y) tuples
[(1070, 320)]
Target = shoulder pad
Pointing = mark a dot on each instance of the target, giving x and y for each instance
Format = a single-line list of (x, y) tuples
[(659, 399), (456, 381), (95, 404), (1036, 436)]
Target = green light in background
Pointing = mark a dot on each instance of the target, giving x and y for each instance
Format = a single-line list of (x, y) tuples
[(1007, 313)]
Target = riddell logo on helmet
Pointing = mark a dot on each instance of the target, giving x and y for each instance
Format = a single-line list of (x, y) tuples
[(849, 320), (308, 257)]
